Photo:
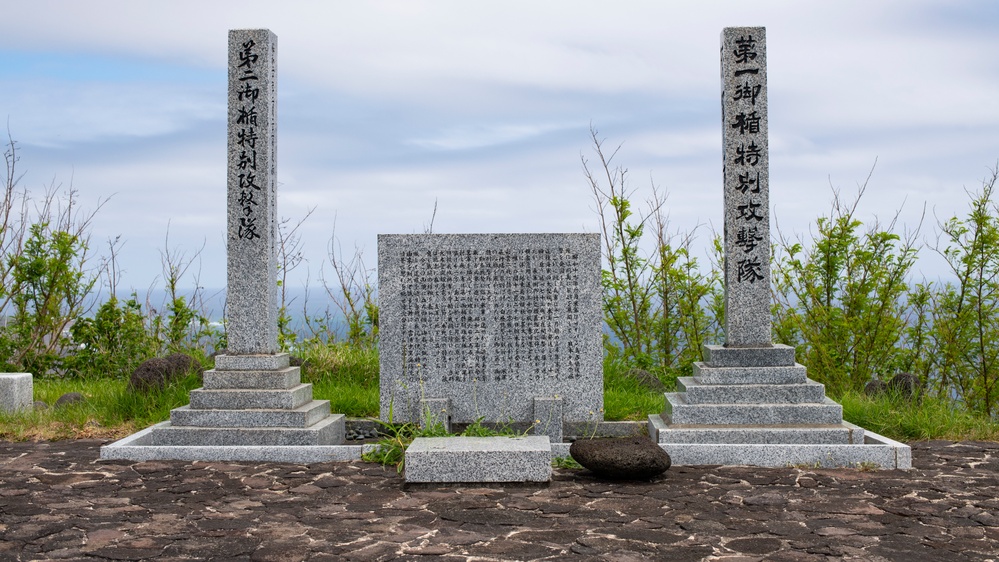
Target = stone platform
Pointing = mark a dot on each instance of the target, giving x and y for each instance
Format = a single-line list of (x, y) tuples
[(755, 406), (251, 407)]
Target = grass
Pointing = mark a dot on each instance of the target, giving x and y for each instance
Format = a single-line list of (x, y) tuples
[(345, 375), (627, 399), (927, 418), (109, 410), (348, 377)]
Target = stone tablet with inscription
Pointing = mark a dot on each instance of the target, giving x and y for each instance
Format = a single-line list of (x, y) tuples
[(488, 323)]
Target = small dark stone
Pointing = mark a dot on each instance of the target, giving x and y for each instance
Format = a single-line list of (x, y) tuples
[(647, 379), (69, 398), (40, 405), (159, 372), (875, 388), (295, 361), (621, 458), (905, 385)]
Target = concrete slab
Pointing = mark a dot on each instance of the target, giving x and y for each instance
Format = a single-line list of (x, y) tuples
[(329, 431), (139, 447), (479, 459), (877, 451)]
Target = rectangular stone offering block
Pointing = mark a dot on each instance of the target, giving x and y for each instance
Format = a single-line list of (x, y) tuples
[(777, 355), (282, 379), (490, 321), (235, 399), (303, 416), (329, 431), (679, 412), (841, 434), (699, 393), (16, 392), (479, 459), (264, 362), (707, 374)]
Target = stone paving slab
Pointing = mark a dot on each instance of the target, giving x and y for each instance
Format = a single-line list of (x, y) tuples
[(58, 501)]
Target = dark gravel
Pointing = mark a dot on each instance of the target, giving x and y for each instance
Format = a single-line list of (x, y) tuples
[(58, 501)]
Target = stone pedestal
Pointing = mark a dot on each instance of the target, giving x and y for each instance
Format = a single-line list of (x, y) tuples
[(252, 406), (16, 391), (749, 402)]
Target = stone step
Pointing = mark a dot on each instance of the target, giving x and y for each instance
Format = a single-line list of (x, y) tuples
[(329, 431), (778, 355), (680, 412), (303, 416), (842, 434), (698, 393), (707, 374), (873, 450), (284, 379), (479, 459), (252, 362), (236, 399)]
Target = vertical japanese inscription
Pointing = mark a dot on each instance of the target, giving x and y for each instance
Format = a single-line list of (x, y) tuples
[(252, 224), (746, 173)]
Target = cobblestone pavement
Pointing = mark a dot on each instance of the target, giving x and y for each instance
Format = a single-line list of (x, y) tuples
[(57, 501)]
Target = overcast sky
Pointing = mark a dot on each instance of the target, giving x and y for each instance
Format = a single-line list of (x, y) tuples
[(485, 108)]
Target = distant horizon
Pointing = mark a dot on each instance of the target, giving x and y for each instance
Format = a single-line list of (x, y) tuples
[(476, 115)]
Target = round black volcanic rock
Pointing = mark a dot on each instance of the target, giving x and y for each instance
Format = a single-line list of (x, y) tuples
[(875, 388), (647, 379), (621, 458), (158, 372), (905, 385), (69, 398)]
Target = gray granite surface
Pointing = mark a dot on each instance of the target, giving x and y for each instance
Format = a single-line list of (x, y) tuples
[(876, 452), (706, 374), (303, 416), (479, 459), (251, 296), (699, 393), (679, 412), (258, 362), (279, 379), (548, 418), (842, 434), (747, 186), (777, 355), (16, 391), (491, 322), (237, 399), (328, 431)]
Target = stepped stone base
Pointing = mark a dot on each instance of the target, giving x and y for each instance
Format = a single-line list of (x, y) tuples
[(875, 450), (479, 459), (252, 407), (679, 412), (756, 406)]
